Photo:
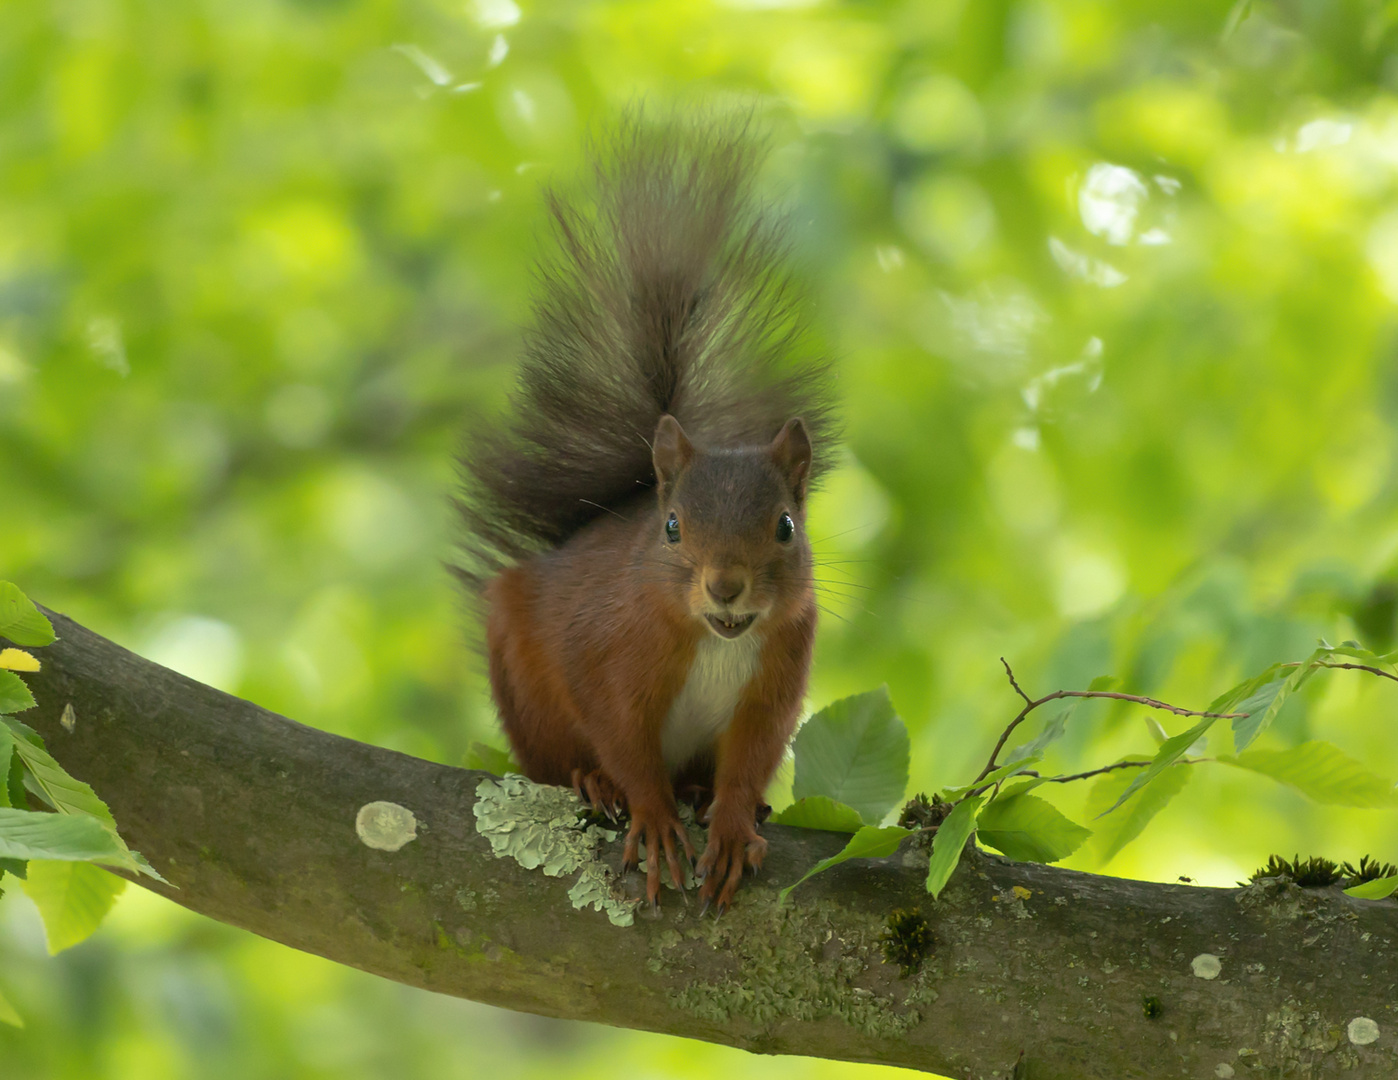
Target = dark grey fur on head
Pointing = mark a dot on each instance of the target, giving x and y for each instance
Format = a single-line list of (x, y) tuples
[(666, 291)]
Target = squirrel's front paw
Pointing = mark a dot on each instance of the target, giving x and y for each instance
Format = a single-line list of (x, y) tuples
[(599, 791), (658, 828), (731, 849)]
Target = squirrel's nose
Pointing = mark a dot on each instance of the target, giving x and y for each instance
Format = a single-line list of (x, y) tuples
[(725, 587)]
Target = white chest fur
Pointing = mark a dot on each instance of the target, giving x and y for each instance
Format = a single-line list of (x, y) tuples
[(704, 707)]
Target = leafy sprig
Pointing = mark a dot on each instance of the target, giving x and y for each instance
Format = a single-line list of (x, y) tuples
[(998, 806), (56, 852)]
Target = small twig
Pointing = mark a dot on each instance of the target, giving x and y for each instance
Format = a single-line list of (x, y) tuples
[(1360, 667), (1351, 667), (1015, 684), (1030, 704), (1150, 702), (1033, 703), (1035, 774), (993, 763), (1113, 768)]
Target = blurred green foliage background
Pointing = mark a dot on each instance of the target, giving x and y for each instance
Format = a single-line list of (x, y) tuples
[(1111, 286)]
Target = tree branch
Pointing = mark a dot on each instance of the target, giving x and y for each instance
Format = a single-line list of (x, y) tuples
[(253, 816)]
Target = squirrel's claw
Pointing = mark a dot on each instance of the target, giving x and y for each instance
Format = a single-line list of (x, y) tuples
[(730, 853), (602, 796), (672, 859), (659, 838), (630, 854), (652, 877)]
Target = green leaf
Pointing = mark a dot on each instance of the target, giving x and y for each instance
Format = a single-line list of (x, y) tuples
[(854, 751), (14, 695), (1374, 890), (1320, 771), (21, 621), (7, 758), (63, 792), (8, 1014), (1171, 750), (66, 794), (1019, 787), (950, 842), (818, 812), (1104, 682), (1261, 708), (14, 783), (73, 898), (1110, 836), (1237, 15), (20, 730), (1004, 772), (7, 753), (491, 760), (1352, 651), (868, 843), (1030, 829), (38, 834), (143, 866), (1261, 698), (1230, 699), (1053, 731)]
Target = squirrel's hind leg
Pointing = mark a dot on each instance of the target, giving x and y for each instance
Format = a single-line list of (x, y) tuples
[(694, 786), (530, 691)]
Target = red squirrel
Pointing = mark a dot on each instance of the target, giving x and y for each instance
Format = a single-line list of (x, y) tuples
[(637, 531)]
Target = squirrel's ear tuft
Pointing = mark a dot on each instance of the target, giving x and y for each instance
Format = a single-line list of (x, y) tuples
[(671, 452), (791, 452)]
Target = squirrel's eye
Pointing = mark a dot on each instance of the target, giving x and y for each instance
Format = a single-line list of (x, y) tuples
[(786, 528), (672, 529)]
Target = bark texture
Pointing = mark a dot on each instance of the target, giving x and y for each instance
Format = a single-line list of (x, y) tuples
[(1037, 973)]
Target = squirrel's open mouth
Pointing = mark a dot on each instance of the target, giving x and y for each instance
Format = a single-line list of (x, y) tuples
[(732, 626)]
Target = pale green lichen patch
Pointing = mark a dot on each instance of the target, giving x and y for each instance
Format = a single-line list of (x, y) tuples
[(798, 962), (1295, 1034), (1206, 966), (596, 887), (385, 826), (1362, 1031), (541, 828)]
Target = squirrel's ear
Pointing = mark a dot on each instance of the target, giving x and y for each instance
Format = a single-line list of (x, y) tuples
[(791, 452), (671, 451)]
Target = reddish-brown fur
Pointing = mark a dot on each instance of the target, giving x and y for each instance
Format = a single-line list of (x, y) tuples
[(630, 657), (590, 644)]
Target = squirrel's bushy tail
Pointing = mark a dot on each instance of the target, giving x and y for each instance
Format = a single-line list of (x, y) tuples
[(667, 291)]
